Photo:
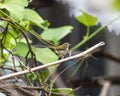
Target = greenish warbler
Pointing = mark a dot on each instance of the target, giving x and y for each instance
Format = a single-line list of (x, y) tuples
[(61, 50)]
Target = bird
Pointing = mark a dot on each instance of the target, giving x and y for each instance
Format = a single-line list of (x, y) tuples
[(61, 50)]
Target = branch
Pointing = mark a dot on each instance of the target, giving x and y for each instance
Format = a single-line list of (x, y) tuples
[(81, 55), (8, 68), (105, 89)]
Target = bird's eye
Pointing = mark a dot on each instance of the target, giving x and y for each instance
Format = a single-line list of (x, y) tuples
[(66, 45)]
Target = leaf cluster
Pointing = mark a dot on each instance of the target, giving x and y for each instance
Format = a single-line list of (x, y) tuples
[(16, 21)]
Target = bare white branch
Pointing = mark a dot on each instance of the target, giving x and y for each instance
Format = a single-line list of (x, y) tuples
[(80, 55)]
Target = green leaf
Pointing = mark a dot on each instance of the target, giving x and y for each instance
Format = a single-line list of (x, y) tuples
[(24, 40), (21, 49), (56, 34), (25, 24), (3, 24), (44, 74), (116, 5), (87, 19), (46, 23), (9, 41), (65, 91), (3, 57), (16, 7), (32, 76), (33, 17), (43, 55), (15, 33)]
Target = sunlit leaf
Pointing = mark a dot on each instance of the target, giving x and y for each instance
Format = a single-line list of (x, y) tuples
[(21, 49), (24, 40), (33, 17), (14, 32), (65, 91), (3, 57), (8, 41), (56, 34), (16, 7), (46, 23), (43, 55), (87, 19), (3, 24), (116, 5), (26, 24)]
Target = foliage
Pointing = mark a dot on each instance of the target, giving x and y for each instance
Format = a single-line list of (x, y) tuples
[(46, 53), (56, 34), (116, 4), (87, 19), (16, 22)]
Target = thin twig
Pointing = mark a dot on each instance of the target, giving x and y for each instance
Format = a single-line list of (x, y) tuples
[(106, 87), (40, 88), (59, 82), (2, 41), (8, 68), (16, 26), (81, 55), (58, 75)]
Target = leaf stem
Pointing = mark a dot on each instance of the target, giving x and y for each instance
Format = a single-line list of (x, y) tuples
[(88, 31), (93, 34)]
